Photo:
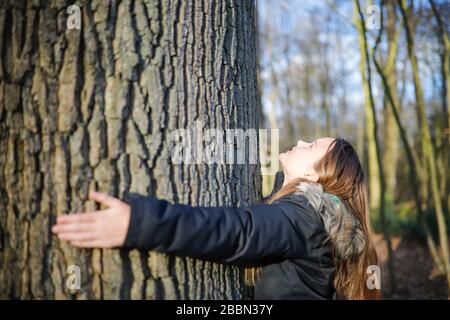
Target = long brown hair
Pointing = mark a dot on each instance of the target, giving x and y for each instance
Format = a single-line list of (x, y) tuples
[(340, 173)]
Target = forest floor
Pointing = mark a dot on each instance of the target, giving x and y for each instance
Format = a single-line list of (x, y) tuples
[(414, 275)]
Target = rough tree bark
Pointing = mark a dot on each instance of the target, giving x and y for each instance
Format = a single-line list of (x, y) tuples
[(93, 109)]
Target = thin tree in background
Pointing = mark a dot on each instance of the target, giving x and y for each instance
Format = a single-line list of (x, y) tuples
[(373, 167), (372, 133), (391, 140)]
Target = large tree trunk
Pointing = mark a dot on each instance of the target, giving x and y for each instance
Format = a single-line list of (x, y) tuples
[(94, 109)]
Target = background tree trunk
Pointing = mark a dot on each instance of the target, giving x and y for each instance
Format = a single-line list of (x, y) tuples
[(93, 109), (391, 140), (373, 136), (375, 188)]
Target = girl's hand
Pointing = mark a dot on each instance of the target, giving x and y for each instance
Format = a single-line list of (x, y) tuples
[(99, 229)]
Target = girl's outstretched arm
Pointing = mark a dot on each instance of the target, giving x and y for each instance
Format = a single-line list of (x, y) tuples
[(224, 234)]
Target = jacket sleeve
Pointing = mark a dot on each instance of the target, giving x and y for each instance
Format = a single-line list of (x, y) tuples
[(223, 234)]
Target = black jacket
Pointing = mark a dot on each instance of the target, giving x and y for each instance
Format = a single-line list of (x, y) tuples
[(286, 237)]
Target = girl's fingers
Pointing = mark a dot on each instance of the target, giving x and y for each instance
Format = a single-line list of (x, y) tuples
[(78, 236), (88, 244), (72, 227), (77, 217), (105, 199)]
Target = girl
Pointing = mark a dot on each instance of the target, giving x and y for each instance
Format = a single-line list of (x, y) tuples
[(311, 240)]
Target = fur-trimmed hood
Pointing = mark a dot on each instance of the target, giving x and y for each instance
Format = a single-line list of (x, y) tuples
[(343, 228)]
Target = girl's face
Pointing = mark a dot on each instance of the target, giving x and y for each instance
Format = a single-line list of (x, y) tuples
[(300, 160)]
